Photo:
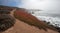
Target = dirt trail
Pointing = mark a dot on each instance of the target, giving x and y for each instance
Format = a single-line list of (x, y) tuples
[(21, 27)]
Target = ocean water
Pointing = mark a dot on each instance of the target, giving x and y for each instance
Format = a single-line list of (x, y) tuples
[(49, 16)]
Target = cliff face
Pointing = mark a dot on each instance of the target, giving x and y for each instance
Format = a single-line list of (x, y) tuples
[(21, 27)]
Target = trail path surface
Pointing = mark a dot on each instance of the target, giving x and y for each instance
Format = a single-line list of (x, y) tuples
[(21, 27)]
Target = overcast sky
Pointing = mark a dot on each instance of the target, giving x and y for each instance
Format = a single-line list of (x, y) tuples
[(42, 4), (49, 7)]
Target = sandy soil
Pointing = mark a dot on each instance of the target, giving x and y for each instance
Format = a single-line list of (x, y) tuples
[(21, 27)]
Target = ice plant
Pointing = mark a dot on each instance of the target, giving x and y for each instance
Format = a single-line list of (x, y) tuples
[(31, 20)]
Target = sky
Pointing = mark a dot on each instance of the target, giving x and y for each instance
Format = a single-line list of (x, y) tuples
[(42, 4), (33, 4), (49, 7), (10, 2)]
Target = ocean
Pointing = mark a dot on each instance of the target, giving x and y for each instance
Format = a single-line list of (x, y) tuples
[(49, 16)]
